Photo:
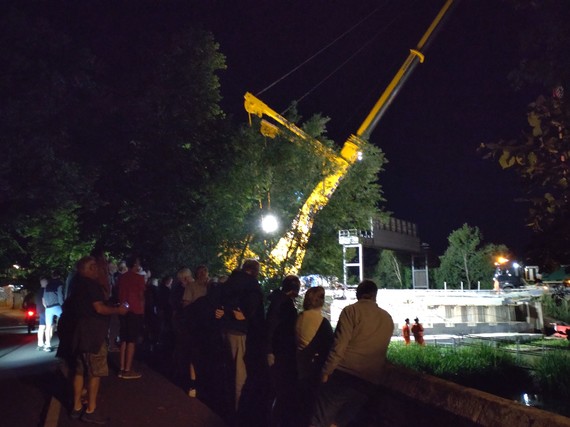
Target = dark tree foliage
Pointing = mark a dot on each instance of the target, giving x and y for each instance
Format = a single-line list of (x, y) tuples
[(541, 156), (112, 134), (44, 77), (111, 114)]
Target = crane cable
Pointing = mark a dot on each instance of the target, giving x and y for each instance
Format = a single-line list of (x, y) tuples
[(366, 44), (346, 61), (319, 52)]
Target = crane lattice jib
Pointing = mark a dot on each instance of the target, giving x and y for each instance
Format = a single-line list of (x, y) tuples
[(257, 107), (291, 248)]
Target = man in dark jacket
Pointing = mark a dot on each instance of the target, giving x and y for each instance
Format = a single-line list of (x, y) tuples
[(90, 313), (241, 318), (281, 341)]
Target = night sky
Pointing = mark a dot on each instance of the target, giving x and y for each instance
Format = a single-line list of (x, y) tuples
[(457, 99)]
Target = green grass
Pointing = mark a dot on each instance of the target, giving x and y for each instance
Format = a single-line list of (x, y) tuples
[(479, 366), (490, 368), (448, 361)]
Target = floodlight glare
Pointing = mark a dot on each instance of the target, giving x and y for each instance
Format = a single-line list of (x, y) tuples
[(269, 223), (501, 260)]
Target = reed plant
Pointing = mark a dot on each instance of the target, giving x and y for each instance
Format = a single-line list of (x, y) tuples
[(494, 369), (449, 361), (480, 366), (552, 372)]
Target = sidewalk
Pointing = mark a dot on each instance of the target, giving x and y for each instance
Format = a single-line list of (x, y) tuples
[(149, 401), (152, 400)]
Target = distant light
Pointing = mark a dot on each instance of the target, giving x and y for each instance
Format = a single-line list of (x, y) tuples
[(501, 260), (516, 265), (16, 266), (359, 156), (269, 223)]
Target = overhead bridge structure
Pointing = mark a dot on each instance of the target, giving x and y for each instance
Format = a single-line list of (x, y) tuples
[(392, 234)]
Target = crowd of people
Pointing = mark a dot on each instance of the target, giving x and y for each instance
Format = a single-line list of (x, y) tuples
[(255, 361)]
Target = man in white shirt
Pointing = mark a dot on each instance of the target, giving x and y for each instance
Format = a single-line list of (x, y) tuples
[(355, 363)]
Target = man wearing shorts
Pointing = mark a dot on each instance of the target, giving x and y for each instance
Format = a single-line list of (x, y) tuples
[(91, 313)]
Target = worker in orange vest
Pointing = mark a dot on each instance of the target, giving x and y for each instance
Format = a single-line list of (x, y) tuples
[(406, 331), (418, 332)]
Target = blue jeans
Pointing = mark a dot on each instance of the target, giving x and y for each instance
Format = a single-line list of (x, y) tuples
[(340, 399), (51, 312)]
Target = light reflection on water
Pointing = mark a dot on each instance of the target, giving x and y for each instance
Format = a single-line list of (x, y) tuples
[(548, 403), (531, 399)]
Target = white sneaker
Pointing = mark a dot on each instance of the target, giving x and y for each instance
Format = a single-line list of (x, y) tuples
[(131, 375)]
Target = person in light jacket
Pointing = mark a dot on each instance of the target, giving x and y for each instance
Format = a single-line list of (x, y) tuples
[(356, 361)]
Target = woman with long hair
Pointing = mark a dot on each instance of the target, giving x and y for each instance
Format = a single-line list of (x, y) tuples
[(314, 340)]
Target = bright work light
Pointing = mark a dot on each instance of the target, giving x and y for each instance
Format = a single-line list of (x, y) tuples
[(269, 223)]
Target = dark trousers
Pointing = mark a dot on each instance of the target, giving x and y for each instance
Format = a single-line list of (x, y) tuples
[(284, 410), (340, 399)]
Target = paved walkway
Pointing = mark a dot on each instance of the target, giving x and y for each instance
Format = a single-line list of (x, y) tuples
[(149, 401), (152, 400)]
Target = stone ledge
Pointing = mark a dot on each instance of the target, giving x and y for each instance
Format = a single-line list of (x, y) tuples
[(450, 403)]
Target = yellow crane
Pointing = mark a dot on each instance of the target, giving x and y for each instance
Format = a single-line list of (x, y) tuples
[(290, 250)]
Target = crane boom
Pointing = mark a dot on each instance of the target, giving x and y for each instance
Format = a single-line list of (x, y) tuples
[(290, 250), (415, 57)]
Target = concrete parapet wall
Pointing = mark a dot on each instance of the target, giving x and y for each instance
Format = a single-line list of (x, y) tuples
[(409, 398)]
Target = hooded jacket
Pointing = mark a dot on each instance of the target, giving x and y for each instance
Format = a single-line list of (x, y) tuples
[(281, 321), (242, 291)]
